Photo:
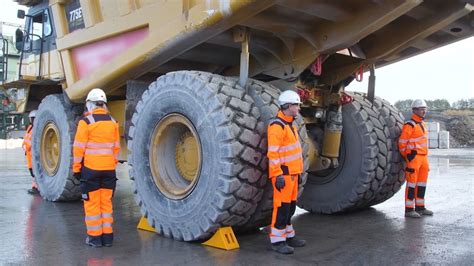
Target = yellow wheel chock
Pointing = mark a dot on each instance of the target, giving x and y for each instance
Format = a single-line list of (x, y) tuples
[(224, 238), (144, 225)]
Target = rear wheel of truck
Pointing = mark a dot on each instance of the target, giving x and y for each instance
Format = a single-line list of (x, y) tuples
[(363, 163), (265, 97), (396, 178), (53, 134), (193, 150)]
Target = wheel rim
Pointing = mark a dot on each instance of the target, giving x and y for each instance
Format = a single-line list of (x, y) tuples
[(175, 156), (50, 149)]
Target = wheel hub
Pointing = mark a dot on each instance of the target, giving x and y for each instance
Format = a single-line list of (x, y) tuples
[(328, 175), (50, 152), (186, 159)]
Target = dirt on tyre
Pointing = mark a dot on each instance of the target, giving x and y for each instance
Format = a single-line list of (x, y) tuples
[(52, 138), (193, 151), (363, 163)]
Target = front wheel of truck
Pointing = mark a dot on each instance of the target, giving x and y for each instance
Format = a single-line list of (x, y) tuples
[(193, 151), (52, 138)]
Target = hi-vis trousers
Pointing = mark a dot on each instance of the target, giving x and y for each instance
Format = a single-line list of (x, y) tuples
[(97, 191), (284, 206), (416, 174)]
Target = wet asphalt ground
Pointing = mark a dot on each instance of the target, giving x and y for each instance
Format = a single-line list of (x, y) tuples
[(38, 232)]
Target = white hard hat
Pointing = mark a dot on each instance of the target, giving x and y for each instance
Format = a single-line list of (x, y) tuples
[(32, 114), (96, 95), (288, 96), (418, 103)]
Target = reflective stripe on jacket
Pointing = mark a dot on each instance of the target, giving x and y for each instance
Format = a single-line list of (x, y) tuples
[(27, 145), (284, 149), (414, 137), (97, 142)]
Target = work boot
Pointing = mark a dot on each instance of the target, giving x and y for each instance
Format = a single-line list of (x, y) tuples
[(282, 248), (107, 239), (295, 243), (33, 191), (424, 211), (412, 214), (94, 242)]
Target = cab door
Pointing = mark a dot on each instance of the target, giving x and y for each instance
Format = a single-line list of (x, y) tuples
[(40, 60)]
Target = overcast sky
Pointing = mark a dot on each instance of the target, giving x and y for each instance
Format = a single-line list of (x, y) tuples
[(444, 73)]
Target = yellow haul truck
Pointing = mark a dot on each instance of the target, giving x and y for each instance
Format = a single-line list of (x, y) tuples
[(194, 82)]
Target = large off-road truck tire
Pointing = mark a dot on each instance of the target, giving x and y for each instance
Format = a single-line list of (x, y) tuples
[(363, 163), (396, 178), (265, 97), (193, 153), (52, 138), (384, 157)]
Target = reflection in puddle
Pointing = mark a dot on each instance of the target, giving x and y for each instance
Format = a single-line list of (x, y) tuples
[(442, 165), (439, 165)]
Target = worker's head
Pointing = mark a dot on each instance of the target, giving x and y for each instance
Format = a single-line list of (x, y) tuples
[(32, 116), (96, 99), (289, 102), (419, 107)]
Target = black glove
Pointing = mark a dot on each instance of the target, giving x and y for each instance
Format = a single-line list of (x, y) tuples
[(299, 179), (280, 182), (77, 176), (31, 172), (411, 155)]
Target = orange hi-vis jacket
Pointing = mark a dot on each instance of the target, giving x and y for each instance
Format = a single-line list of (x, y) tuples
[(27, 145), (284, 149), (414, 137), (97, 142)]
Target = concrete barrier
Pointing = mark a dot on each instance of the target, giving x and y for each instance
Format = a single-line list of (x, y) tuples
[(433, 143), (433, 126), (433, 129), (443, 140), (432, 135)]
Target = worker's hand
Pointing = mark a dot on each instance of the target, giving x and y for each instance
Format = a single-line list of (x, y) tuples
[(77, 176), (411, 155), (299, 179), (31, 172), (280, 182)]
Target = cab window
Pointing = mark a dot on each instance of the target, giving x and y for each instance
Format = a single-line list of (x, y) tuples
[(39, 26)]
